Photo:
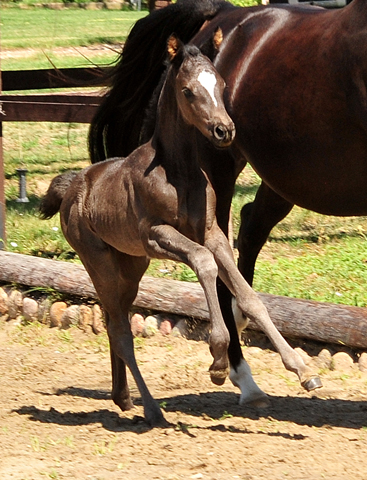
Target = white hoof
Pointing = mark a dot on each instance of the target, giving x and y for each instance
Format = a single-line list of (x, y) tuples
[(250, 392)]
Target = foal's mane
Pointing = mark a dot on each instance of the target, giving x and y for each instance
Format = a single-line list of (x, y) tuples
[(150, 115), (139, 71)]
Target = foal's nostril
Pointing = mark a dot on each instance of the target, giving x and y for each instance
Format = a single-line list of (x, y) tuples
[(220, 132)]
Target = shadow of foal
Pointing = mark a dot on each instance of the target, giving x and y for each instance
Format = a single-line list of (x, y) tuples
[(159, 203)]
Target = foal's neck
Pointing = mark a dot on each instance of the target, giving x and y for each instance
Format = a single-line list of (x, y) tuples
[(174, 140)]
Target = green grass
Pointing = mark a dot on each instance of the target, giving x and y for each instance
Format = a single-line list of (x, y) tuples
[(53, 58), (307, 256), (46, 29)]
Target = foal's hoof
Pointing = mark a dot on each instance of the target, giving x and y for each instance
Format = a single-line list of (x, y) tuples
[(218, 377), (312, 384)]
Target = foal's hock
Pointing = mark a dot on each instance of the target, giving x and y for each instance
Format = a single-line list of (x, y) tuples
[(159, 203)]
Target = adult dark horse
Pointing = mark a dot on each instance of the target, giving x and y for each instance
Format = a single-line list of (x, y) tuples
[(296, 80)]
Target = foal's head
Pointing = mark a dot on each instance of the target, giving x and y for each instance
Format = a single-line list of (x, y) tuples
[(199, 91)]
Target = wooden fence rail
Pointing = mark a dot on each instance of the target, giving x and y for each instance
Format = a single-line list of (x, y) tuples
[(55, 107), (338, 324)]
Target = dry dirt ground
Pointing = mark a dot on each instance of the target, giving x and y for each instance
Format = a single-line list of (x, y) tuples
[(57, 420)]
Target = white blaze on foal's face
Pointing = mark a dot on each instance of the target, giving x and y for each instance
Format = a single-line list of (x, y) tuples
[(208, 81)]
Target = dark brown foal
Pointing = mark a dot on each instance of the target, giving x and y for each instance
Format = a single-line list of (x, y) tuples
[(159, 203)]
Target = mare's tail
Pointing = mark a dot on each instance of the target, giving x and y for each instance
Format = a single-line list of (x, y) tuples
[(51, 202), (115, 129)]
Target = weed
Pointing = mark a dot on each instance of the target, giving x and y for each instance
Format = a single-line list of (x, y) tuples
[(104, 447), (99, 344), (226, 415), (53, 475), (139, 342)]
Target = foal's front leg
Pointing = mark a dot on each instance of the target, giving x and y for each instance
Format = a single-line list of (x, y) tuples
[(166, 242), (252, 307)]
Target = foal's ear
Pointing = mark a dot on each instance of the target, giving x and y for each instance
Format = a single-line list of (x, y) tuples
[(173, 46), (211, 47)]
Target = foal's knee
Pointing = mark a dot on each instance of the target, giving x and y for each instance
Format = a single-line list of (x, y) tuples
[(251, 306), (204, 265)]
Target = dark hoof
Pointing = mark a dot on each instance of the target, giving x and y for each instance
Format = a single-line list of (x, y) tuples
[(217, 380), (312, 384), (218, 377), (156, 419), (125, 404)]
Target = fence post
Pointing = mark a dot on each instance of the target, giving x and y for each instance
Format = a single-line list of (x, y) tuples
[(2, 183)]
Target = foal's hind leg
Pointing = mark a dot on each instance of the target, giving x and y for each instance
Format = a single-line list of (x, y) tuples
[(120, 390), (116, 278)]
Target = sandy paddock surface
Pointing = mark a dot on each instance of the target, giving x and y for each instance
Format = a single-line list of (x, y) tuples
[(58, 422)]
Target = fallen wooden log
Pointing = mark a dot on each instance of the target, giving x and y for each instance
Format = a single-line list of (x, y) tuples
[(293, 317)]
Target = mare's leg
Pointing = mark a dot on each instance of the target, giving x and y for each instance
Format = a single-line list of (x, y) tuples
[(166, 242), (257, 220), (116, 277), (251, 306), (223, 172)]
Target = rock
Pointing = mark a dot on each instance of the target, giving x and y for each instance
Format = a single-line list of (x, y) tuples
[(342, 361), (70, 317), (94, 6), (56, 311), (15, 304), (304, 355), (165, 327), (324, 359), (97, 326), (44, 311), (113, 5), (180, 329), (137, 324), (30, 310), (362, 362), (150, 326), (3, 302), (85, 318)]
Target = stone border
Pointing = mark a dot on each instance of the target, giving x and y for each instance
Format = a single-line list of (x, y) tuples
[(21, 307), (105, 4)]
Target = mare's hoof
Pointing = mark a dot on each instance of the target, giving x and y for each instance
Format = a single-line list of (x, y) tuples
[(257, 399), (124, 403), (312, 384), (261, 402), (154, 416), (156, 420)]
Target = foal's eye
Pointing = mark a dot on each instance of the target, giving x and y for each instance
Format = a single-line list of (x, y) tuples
[(187, 92)]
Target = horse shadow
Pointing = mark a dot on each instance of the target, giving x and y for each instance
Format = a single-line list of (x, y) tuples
[(214, 406)]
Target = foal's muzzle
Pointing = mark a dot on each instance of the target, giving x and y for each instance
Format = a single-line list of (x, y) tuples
[(223, 135)]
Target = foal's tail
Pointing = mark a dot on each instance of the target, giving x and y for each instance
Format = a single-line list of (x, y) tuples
[(51, 202)]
